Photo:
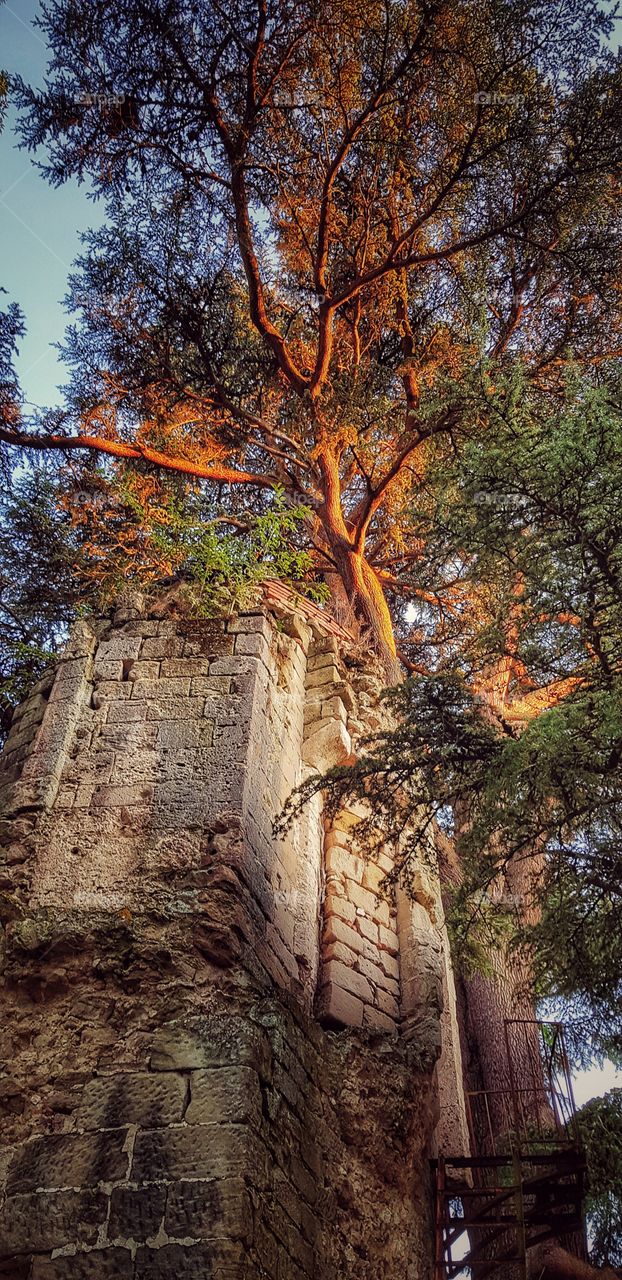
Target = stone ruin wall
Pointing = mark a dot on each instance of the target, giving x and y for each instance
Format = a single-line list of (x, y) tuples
[(222, 1053)]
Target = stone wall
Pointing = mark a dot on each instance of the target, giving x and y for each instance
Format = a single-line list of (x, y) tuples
[(221, 1050)]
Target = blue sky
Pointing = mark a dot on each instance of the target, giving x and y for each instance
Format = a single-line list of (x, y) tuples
[(39, 226)]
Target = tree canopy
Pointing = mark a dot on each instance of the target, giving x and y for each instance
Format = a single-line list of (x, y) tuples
[(509, 733), (321, 220)]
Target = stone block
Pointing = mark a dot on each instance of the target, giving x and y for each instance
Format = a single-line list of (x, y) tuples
[(276, 944), (163, 647), (208, 686), (98, 1264), (144, 629), (84, 795), (218, 1260), (109, 691), (119, 647), (299, 1251), (321, 676), (422, 990), (210, 1210), (111, 796), (168, 708), (108, 669), (334, 709), (198, 1151), (161, 688), (318, 660), (66, 1160), (368, 928), (251, 622), (136, 1213), (66, 797), (376, 1020), (145, 669), (185, 667), (422, 1031), (323, 645), (384, 860), (337, 930), (70, 672), (362, 898), (199, 627), (229, 1094), (32, 707), (39, 1221), (178, 735), (349, 980), (349, 817), (253, 645), (340, 860), (371, 971), (336, 905), (374, 878), (136, 767), (337, 951), (387, 1003), (334, 1005), (147, 1100), (390, 964), (127, 711), (388, 940), (19, 737), (230, 737), (214, 645), (211, 1042), (328, 745), (382, 913)]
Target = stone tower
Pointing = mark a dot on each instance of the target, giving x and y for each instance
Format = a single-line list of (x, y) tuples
[(223, 1054)]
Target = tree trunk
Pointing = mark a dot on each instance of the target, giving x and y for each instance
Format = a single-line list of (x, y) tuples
[(362, 586), (485, 1003), (551, 1262), (506, 995), (368, 601)]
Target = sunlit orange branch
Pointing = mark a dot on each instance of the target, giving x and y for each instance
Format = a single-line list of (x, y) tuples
[(135, 452), (327, 309), (521, 710), (368, 508)]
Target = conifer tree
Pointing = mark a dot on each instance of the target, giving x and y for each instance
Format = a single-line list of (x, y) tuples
[(318, 218)]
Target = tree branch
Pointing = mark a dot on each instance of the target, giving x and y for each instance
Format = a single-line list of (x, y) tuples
[(137, 452)]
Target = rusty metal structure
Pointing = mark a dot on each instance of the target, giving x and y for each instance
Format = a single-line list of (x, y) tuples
[(524, 1182)]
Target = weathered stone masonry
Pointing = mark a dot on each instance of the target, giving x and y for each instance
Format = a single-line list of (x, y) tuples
[(220, 1050)]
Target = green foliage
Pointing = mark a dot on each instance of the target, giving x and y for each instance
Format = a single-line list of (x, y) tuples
[(317, 255), (224, 568), (70, 542), (601, 1130), (529, 780), (38, 590)]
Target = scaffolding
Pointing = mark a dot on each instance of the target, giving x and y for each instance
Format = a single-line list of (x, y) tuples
[(525, 1181)]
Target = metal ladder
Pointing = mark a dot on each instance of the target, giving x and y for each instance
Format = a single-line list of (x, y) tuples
[(508, 1204)]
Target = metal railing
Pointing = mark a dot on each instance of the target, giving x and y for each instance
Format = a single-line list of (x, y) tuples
[(534, 1108), (524, 1181)]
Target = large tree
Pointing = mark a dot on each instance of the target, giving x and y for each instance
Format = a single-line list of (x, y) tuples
[(332, 229), (510, 732), (318, 216)]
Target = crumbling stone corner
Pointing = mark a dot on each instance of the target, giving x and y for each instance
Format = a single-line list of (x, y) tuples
[(220, 1050)]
